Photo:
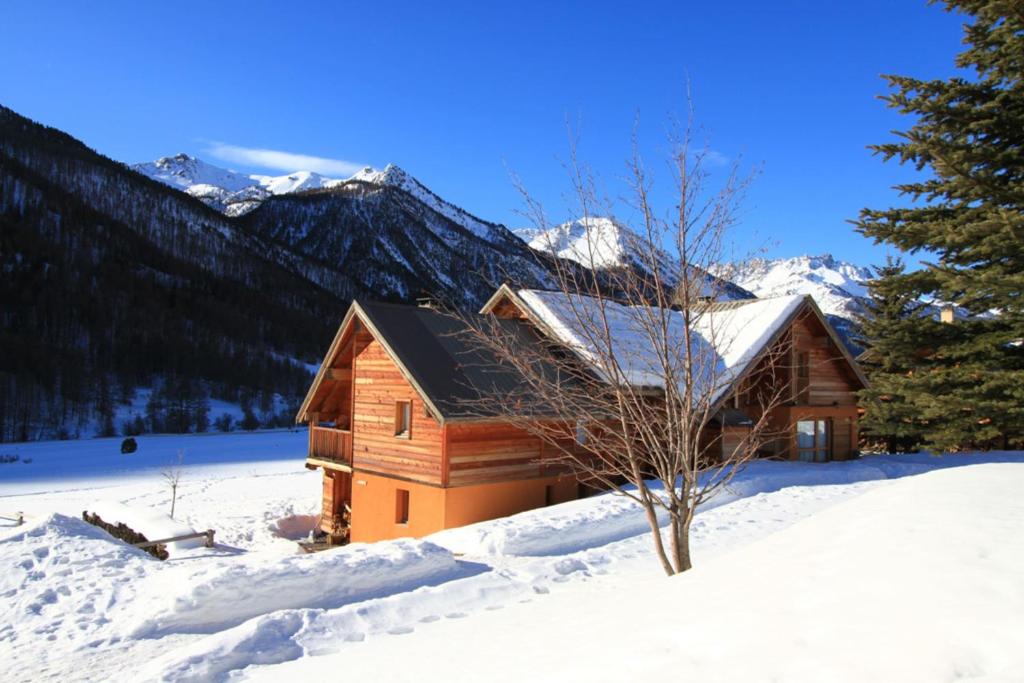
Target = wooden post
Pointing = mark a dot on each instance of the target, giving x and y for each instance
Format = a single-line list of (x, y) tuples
[(209, 538), (21, 519), (314, 418), (445, 462)]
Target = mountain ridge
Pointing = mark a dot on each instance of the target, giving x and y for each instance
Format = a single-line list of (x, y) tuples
[(114, 279), (230, 192), (596, 242)]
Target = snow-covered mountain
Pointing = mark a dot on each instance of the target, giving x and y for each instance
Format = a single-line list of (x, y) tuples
[(603, 243), (395, 239), (385, 231), (230, 192), (837, 286), (595, 242)]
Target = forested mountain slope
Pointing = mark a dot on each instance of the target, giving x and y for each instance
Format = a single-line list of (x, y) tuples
[(94, 308), (114, 281)]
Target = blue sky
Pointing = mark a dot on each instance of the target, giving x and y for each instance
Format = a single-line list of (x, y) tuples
[(461, 94)]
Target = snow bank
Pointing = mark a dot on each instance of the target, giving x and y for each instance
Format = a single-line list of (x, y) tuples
[(268, 639), (914, 581), (62, 579), (208, 599), (148, 522), (603, 519)]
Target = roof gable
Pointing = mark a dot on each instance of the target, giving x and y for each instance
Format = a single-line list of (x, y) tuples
[(435, 352)]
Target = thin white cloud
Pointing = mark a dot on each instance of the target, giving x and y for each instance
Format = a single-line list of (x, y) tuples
[(282, 161), (715, 158)]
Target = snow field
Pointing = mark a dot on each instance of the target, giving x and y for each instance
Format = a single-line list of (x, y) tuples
[(79, 606), (915, 580), (492, 584), (580, 524)]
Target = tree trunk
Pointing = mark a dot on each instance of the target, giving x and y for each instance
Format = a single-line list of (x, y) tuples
[(659, 544), (681, 543)]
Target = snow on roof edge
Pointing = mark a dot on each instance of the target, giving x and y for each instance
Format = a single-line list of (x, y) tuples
[(762, 317)]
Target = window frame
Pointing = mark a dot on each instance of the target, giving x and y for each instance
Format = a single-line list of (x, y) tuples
[(581, 436), (403, 414), (803, 376), (402, 507), (822, 427)]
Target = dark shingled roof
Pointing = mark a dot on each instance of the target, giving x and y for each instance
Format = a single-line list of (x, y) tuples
[(457, 376)]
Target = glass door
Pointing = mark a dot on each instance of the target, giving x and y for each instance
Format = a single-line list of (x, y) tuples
[(812, 440)]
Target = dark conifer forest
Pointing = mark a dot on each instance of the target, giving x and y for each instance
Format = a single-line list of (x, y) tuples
[(115, 282)]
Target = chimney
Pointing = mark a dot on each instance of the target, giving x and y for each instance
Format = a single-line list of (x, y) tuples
[(947, 314), (425, 300)]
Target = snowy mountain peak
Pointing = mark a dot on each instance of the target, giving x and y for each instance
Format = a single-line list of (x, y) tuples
[(603, 243), (837, 286), (183, 171), (228, 191), (391, 175), (595, 241)]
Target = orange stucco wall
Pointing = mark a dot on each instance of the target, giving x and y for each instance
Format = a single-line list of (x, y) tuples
[(373, 508), (431, 508), (468, 504)]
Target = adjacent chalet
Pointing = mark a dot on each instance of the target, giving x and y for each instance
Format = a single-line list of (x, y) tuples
[(405, 451)]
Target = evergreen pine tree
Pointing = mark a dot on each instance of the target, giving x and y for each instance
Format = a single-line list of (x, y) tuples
[(105, 407), (249, 419), (968, 219), (200, 408), (889, 333), (155, 410)]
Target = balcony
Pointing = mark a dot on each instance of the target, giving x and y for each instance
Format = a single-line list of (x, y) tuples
[(330, 447)]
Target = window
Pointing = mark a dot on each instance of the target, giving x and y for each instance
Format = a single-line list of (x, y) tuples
[(813, 440), (803, 376), (401, 506), (581, 432), (403, 418)]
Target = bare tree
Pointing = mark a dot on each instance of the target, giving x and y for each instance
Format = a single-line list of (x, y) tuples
[(630, 395), (172, 475)]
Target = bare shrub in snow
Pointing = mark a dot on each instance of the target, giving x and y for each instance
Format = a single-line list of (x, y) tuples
[(172, 475)]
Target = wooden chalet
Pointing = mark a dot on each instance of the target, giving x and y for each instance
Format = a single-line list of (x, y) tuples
[(403, 454), (405, 450)]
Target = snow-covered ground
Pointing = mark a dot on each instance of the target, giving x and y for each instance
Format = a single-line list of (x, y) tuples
[(917, 581), (251, 488), (793, 558)]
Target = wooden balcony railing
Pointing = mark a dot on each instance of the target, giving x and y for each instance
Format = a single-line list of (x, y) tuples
[(334, 445)]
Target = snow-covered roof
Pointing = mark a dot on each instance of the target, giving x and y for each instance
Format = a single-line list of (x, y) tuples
[(729, 336)]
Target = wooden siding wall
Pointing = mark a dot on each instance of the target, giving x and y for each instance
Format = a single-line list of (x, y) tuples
[(843, 437), (731, 439), (831, 390), (830, 381), (480, 453), (378, 384), (507, 309)]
